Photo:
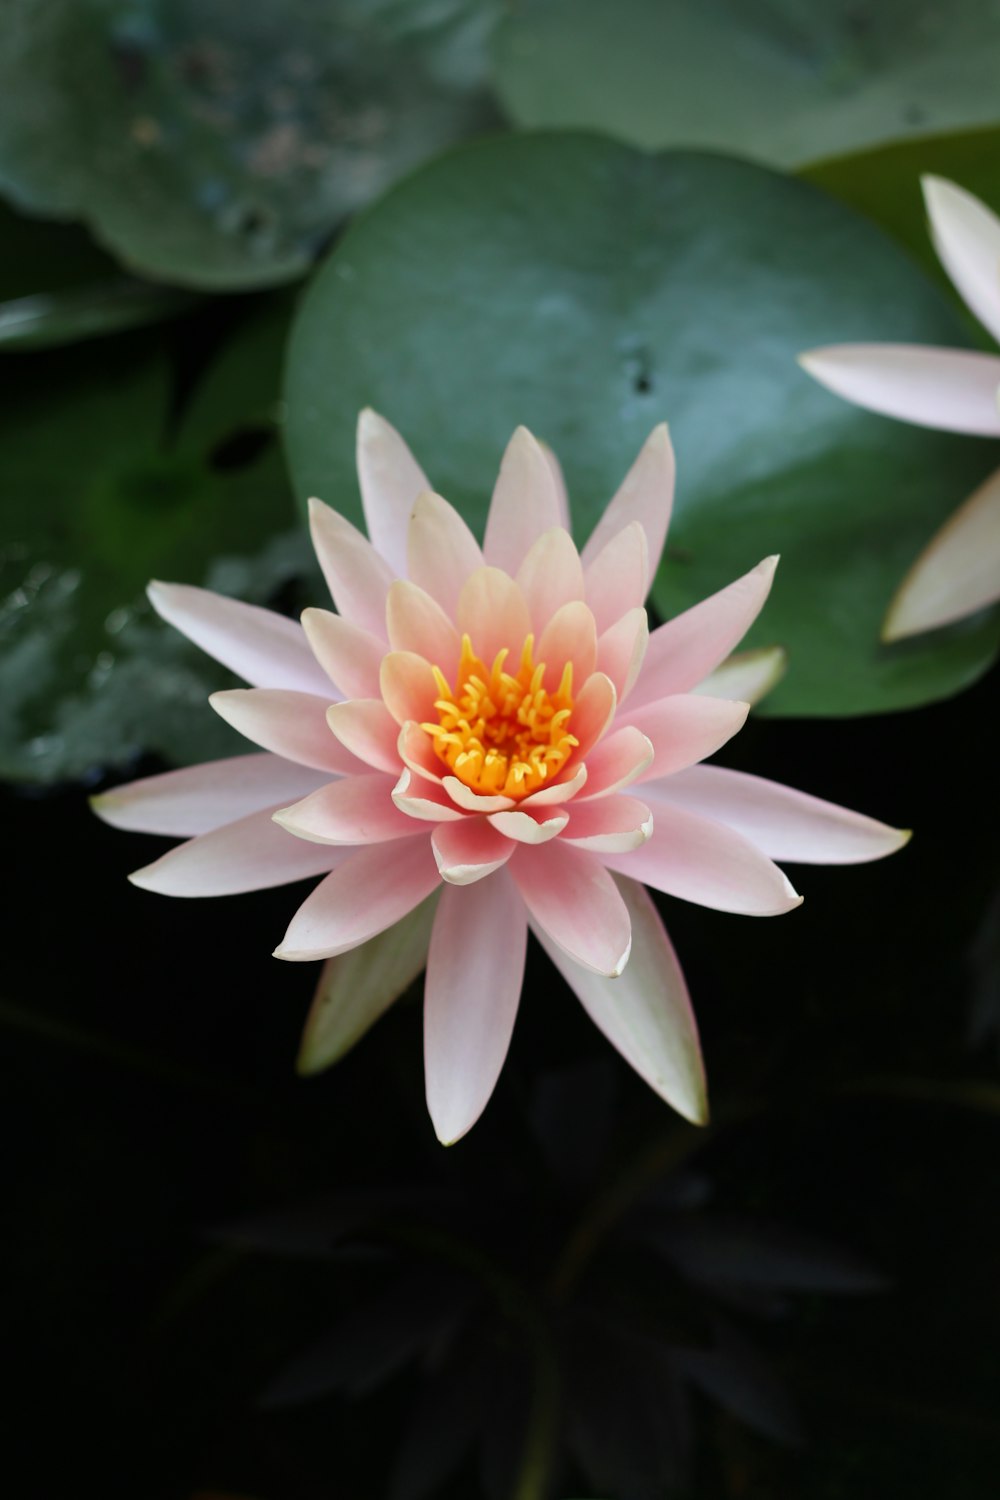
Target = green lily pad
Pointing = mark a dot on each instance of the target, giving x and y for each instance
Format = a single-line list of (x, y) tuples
[(785, 83), (215, 144), (590, 291), (98, 497)]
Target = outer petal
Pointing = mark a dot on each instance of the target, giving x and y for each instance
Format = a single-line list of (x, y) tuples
[(348, 655), (251, 854), (570, 636), (954, 390), (200, 798), (358, 578), (368, 892), (475, 968), (783, 823), (356, 987), (746, 676), (353, 810), (491, 611), (291, 724), (966, 237), (686, 729), (684, 650), (621, 651), (616, 580), (708, 863), (366, 728), (390, 479), (263, 648), (525, 503), (646, 1012), (958, 573), (609, 825), (618, 761), (441, 550), (469, 850), (646, 495), (573, 900), (417, 623), (551, 575)]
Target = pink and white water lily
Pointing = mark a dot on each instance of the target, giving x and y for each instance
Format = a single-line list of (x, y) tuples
[(953, 390), (487, 739)]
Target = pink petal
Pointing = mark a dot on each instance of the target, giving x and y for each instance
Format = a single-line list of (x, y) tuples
[(783, 823), (369, 891), (293, 725), (525, 503), (409, 688), (687, 648), (353, 810), (492, 613), (966, 237), (366, 728), (423, 800), (746, 676), (572, 898), (611, 825), (646, 1012), (474, 972), (523, 828), (556, 792), (263, 648), (390, 479), (957, 573), (417, 623), (622, 649), (441, 550), (358, 578), (555, 468), (200, 798), (551, 575), (251, 854), (416, 752), (617, 761), (616, 580), (953, 390), (570, 636), (348, 655), (685, 729), (593, 711), (356, 987), (646, 495), (469, 850), (708, 863)]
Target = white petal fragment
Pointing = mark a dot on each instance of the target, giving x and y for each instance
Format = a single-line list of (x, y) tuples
[(646, 1012), (524, 829), (390, 479), (356, 987), (475, 968), (957, 573), (746, 676), (966, 236), (953, 390), (263, 648)]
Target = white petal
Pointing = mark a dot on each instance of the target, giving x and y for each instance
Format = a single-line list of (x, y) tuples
[(966, 236), (957, 573), (251, 854), (475, 968), (293, 725), (953, 390), (645, 1012), (390, 479), (200, 798), (525, 503), (746, 676), (260, 646)]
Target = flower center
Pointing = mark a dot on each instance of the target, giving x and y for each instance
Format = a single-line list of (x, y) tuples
[(503, 733)]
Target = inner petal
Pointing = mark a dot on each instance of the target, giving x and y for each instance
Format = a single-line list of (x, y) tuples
[(501, 732)]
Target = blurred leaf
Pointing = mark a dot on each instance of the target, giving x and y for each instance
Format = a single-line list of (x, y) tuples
[(213, 144), (984, 1012), (785, 83), (885, 184), (742, 1383), (590, 291), (314, 1229), (442, 1426), (716, 1250), (97, 499)]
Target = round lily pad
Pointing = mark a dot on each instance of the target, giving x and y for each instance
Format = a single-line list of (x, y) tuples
[(785, 83), (590, 291)]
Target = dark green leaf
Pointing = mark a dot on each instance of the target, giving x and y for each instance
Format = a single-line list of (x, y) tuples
[(591, 291)]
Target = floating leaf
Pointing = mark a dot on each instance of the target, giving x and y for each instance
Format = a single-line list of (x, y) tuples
[(785, 83), (214, 144), (589, 291)]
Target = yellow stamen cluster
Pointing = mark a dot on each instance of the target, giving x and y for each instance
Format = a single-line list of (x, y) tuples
[(503, 734)]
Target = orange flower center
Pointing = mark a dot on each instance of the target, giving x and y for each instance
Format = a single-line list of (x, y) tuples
[(503, 733)]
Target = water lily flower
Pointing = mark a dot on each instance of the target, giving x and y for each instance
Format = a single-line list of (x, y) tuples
[(953, 390), (481, 741)]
